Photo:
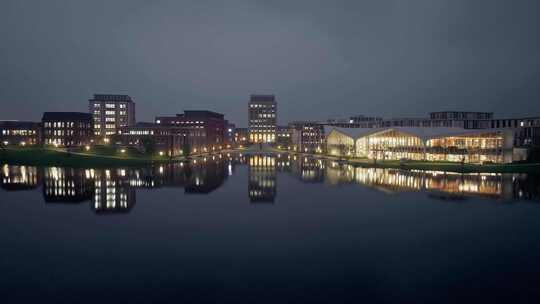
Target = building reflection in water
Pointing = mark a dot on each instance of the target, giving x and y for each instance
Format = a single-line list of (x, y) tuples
[(262, 178), (308, 169), (66, 185), (20, 177), (114, 190)]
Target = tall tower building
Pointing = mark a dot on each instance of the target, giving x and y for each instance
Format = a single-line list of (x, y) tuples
[(111, 112), (262, 116)]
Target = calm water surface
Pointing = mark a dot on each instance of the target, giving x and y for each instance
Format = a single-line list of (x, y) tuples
[(267, 229)]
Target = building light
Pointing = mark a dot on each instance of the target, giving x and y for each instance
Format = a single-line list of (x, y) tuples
[(351, 121), (158, 121), (123, 150), (23, 143), (6, 143), (160, 153), (230, 130), (522, 123), (87, 148)]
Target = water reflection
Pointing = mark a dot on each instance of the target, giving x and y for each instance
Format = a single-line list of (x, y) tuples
[(112, 191)]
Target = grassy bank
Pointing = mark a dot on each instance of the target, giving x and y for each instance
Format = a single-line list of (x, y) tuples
[(95, 157)]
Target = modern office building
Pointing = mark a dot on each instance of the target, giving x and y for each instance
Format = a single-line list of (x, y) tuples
[(153, 138), (20, 133), (205, 129), (432, 144), (111, 112), (262, 118), (66, 129)]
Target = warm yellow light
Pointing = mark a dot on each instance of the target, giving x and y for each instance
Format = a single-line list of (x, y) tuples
[(106, 140), (23, 143), (123, 150), (87, 148), (6, 143), (161, 153)]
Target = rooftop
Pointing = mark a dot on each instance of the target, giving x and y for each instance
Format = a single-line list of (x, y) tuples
[(423, 133), (67, 116), (262, 98), (111, 97)]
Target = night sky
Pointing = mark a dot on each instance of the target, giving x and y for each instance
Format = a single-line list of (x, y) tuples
[(321, 58)]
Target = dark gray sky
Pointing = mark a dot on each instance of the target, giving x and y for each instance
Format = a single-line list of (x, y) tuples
[(321, 58)]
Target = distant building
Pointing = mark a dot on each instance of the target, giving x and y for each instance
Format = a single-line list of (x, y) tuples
[(453, 115), (67, 129), (308, 136), (153, 138), (284, 136), (205, 129), (262, 118), (111, 112), (20, 133), (358, 121), (230, 130), (241, 136)]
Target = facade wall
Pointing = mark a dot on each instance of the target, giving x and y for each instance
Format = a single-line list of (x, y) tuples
[(65, 131), (339, 144), (390, 145), (205, 130), (163, 139)]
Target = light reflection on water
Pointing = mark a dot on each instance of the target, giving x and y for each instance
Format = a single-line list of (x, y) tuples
[(114, 190)]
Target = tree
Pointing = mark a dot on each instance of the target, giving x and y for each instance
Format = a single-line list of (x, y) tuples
[(149, 145), (186, 149)]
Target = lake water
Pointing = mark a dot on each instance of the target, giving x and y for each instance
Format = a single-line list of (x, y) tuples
[(267, 229)]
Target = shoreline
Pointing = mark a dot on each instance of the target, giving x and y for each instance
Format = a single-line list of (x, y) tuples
[(33, 156)]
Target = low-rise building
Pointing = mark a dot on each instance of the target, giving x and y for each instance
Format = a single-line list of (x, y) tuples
[(67, 129), (308, 136), (284, 137), (20, 133), (205, 129), (432, 144), (153, 138)]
